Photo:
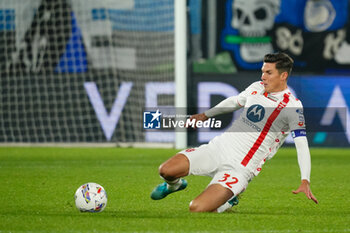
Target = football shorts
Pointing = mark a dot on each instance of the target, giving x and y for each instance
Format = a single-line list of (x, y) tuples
[(206, 161)]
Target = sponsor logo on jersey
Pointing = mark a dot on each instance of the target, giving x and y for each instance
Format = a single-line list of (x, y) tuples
[(255, 113), (250, 124), (300, 111)]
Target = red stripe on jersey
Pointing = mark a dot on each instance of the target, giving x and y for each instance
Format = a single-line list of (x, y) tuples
[(266, 129)]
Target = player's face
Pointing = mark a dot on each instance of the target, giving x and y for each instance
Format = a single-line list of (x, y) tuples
[(272, 79)]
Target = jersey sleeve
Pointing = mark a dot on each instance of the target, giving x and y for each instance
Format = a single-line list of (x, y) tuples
[(227, 105), (242, 97), (304, 159), (232, 103), (296, 120)]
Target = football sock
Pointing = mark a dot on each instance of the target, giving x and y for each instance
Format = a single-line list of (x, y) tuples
[(224, 207), (174, 184), (229, 204)]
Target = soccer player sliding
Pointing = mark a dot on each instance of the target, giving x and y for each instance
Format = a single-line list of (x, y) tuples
[(233, 158)]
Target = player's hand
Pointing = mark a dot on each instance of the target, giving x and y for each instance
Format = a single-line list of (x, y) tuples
[(305, 188), (199, 117)]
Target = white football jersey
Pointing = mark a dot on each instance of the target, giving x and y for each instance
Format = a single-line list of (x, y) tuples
[(262, 127)]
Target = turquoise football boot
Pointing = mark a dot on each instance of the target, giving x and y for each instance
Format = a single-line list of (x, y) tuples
[(162, 190), (234, 201)]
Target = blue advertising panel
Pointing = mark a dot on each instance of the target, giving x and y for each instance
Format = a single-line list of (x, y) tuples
[(326, 101)]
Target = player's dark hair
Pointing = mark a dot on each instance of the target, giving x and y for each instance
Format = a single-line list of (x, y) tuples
[(284, 63)]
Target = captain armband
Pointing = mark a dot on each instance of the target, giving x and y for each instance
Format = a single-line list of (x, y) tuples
[(298, 133)]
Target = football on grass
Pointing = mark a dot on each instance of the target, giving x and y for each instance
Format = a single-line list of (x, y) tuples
[(90, 197)]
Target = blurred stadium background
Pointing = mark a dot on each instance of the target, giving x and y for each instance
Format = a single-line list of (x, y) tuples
[(83, 71)]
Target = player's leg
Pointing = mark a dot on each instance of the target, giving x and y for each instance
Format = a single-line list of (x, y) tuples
[(175, 167), (171, 171), (193, 161), (234, 200), (214, 196), (221, 193)]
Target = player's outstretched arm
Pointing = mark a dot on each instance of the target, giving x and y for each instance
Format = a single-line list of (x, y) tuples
[(305, 188), (199, 117), (226, 106), (304, 161)]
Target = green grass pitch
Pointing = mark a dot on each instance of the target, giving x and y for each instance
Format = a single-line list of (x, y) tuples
[(38, 186)]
